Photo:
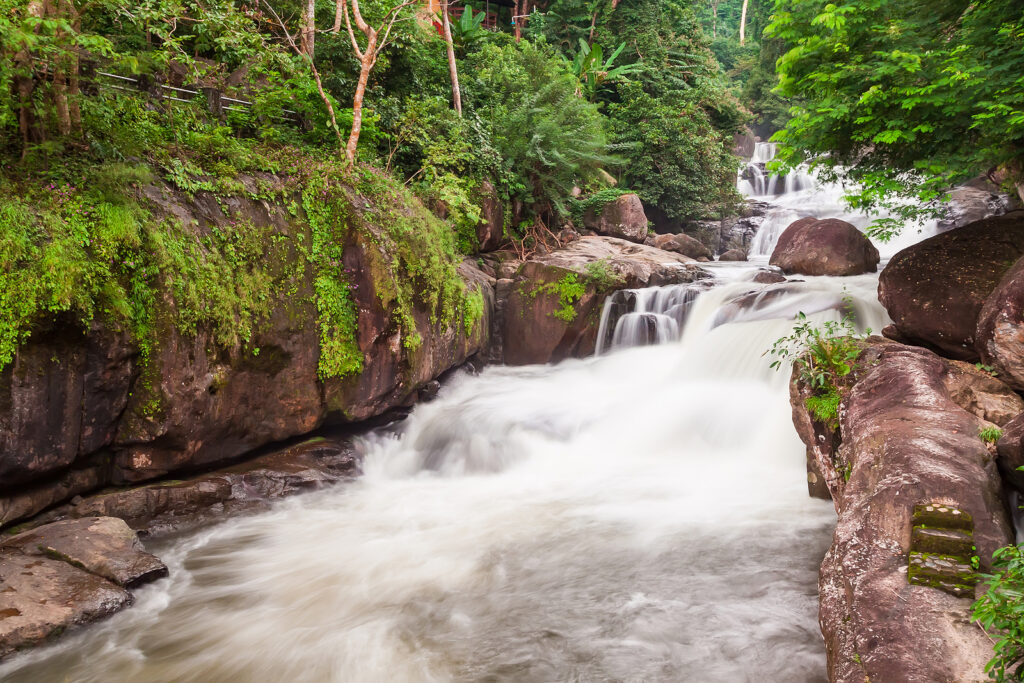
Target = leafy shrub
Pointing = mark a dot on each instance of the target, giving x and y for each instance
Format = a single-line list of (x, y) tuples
[(1000, 611), (990, 434)]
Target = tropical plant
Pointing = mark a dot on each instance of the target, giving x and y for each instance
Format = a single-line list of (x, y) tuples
[(1000, 611), (592, 72), (469, 28)]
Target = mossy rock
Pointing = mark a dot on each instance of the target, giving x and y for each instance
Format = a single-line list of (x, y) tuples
[(934, 515), (942, 541)]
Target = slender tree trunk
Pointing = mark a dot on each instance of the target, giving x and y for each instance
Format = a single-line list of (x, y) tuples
[(453, 69), (743, 22), (365, 64), (339, 7), (714, 19), (518, 16), (308, 35)]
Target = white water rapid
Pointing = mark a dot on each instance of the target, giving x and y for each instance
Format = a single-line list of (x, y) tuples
[(641, 515)]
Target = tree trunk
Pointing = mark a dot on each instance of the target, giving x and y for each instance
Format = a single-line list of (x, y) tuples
[(365, 64), (453, 70), (743, 22), (714, 19), (516, 18), (308, 37), (339, 7)]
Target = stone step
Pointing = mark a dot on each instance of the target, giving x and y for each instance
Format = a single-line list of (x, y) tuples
[(942, 517), (942, 541), (948, 573)]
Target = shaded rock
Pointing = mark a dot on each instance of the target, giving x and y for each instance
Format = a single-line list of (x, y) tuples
[(490, 233), (743, 144), (999, 336), (935, 290), (812, 246), (40, 598), (681, 244), (975, 201), (733, 255), (623, 218), (542, 324), (104, 546), (904, 440), (30, 500), (1010, 448)]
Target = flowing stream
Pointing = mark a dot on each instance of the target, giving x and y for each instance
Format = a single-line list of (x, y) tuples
[(641, 515)]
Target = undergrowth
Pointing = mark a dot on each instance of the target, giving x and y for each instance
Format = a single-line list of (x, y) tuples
[(1000, 612)]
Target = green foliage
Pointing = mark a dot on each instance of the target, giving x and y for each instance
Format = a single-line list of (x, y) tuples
[(593, 71), (987, 369), (905, 98), (1000, 611), (601, 275), (569, 290), (990, 434), (821, 356), (550, 140), (468, 30)]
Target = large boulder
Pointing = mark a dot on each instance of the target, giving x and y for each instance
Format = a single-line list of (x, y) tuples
[(1011, 453), (935, 290), (551, 308), (66, 574), (908, 437), (490, 233), (622, 217), (999, 336), (733, 255), (682, 244), (812, 246)]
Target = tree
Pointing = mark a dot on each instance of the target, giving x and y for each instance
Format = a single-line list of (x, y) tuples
[(453, 69), (903, 97), (376, 42)]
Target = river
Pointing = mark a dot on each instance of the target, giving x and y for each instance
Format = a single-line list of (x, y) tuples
[(641, 515)]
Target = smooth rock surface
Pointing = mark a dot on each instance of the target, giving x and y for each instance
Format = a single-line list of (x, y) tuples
[(733, 255), (935, 290), (999, 336), (623, 217), (812, 246), (681, 244)]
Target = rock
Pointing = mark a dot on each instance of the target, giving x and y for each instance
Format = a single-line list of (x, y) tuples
[(69, 395), (733, 255), (624, 218), (769, 277), (812, 246), (490, 233), (104, 546), (743, 144), (999, 335), (1010, 448), (681, 244), (974, 201), (935, 290), (40, 598), (540, 325), (904, 440), (566, 235)]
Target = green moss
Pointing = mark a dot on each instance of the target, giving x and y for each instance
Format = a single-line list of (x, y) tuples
[(825, 407), (569, 291)]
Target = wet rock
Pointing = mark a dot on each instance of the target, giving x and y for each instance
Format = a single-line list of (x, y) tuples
[(545, 321), (999, 336), (104, 546), (30, 500), (1011, 453), (490, 233), (40, 598), (812, 246), (733, 255), (935, 290), (905, 440), (975, 201), (681, 244), (769, 277), (623, 218)]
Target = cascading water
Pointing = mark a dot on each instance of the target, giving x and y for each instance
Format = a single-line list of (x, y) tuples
[(640, 317), (798, 195), (637, 516)]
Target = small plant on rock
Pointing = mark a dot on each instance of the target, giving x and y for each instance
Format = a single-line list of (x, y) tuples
[(990, 434), (821, 355), (1000, 611), (987, 369)]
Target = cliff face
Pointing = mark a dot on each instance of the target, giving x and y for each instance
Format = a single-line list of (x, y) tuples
[(346, 324)]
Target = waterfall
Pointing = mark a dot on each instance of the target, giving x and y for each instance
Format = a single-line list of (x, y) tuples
[(639, 317)]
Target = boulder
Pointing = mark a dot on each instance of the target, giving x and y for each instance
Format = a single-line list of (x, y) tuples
[(999, 335), (733, 255), (490, 233), (908, 436), (812, 246), (61, 575), (935, 290), (544, 320), (623, 217), (974, 201), (681, 244), (768, 277), (104, 546)]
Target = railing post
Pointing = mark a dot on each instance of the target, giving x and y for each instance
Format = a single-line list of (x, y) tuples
[(213, 102)]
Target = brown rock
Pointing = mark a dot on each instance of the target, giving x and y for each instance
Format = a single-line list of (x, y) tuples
[(999, 336), (733, 255), (681, 244), (935, 290), (40, 598), (490, 233), (534, 330), (905, 441), (812, 246), (104, 546), (769, 277), (1011, 453), (623, 218)]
